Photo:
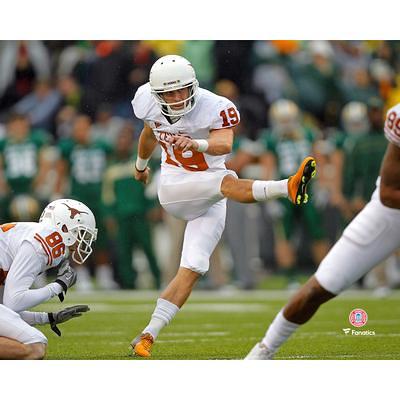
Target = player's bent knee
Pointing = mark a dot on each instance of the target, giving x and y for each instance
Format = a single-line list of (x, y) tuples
[(36, 351), (201, 270), (227, 184), (196, 261)]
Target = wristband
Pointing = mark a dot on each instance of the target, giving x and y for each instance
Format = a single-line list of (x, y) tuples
[(203, 145), (141, 164), (62, 284)]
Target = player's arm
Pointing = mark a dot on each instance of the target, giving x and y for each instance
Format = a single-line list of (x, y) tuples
[(218, 143), (147, 144), (23, 271), (390, 177), (34, 318), (53, 318)]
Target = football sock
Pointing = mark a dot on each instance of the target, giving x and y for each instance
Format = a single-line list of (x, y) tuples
[(268, 190), (278, 332), (162, 316)]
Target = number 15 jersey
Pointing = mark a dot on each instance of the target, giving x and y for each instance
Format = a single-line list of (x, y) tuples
[(211, 112)]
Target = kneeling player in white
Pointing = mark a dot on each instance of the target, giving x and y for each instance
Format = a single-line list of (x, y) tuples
[(195, 130), (369, 239), (26, 250)]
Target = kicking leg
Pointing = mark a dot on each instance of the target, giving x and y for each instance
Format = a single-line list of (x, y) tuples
[(249, 191)]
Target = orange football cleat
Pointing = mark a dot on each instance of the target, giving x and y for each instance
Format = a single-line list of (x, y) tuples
[(297, 183), (142, 344)]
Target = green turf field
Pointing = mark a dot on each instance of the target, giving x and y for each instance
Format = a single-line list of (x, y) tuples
[(223, 326)]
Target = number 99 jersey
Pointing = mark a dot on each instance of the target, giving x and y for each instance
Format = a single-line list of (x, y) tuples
[(212, 112), (392, 125)]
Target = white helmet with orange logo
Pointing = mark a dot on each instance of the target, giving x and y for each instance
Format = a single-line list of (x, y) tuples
[(173, 73), (75, 223)]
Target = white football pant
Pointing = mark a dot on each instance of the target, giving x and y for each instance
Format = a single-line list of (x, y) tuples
[(196, 198), (369, 239)]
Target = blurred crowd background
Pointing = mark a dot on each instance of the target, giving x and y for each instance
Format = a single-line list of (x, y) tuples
[(67, 130)]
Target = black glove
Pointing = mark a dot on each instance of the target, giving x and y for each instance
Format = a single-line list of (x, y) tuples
[(66, 277), (65, 315)]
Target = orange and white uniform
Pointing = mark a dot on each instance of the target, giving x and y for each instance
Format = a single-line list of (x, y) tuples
[(190, 182), (371, 237), (26, 250)]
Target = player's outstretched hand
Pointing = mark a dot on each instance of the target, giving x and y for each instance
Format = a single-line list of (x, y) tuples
[(142, 176), (184, 143), (66, 277), (65, 315)]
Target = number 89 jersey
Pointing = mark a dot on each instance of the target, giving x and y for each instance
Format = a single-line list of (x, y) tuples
[(211, 112)]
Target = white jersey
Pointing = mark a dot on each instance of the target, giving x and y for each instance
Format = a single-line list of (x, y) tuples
[(210, 113), (392, 125), (46, 242), (26, 250)]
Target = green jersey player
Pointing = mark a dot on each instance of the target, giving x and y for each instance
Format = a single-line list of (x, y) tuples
[(128, 219), (81, 167), (285, 145), (24, 168)]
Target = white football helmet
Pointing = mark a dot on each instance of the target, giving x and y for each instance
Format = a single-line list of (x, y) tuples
[(355, 118), (284, 116), (75, 223), (173, 73)]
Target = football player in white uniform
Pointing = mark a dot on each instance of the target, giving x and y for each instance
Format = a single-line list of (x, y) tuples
[(368, 240), (194, 128), (26, 250)]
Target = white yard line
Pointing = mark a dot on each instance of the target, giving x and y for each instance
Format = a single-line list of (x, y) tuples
[(96, 333), (219, 307), (200, 334), (237, 295)]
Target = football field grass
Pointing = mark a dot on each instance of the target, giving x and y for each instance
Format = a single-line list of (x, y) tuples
[(223, 326)]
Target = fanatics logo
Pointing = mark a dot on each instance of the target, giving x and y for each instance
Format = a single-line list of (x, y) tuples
[(358, 317)]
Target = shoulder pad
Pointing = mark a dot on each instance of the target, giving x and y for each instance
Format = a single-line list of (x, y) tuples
[(143, 102)]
